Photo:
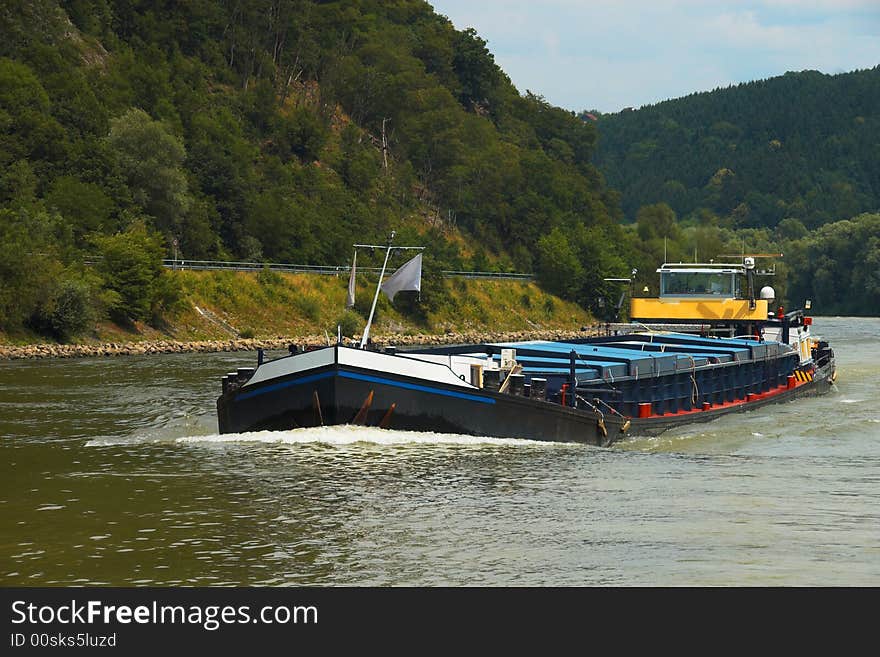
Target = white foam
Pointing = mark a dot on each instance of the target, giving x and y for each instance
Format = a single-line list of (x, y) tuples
[(136, 439), (349, 435)]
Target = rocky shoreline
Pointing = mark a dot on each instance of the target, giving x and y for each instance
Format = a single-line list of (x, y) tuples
[(36, 351)]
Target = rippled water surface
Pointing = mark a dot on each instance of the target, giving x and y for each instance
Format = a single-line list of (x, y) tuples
[(112, 473)]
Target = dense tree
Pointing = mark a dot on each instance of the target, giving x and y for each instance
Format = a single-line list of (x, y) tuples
[(838, 267), (131, 265), (800, 146), (28, 265), (85, 206), (558, 268), (69, 309), (27, 127), (150, 160), (475, 67), (656, 221)]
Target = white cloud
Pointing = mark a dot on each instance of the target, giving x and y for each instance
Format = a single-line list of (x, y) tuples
[(744, 30), (585, 55), (823, 5)]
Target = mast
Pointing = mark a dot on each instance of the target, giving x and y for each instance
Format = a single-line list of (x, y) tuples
[(388, 249), (366, 335)]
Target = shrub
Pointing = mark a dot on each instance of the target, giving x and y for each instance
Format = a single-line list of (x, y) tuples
[(268, 278), (308, 307), (166, 297), (27, 268), (73, 310), (131, 264), (67, 312), (350, 323)]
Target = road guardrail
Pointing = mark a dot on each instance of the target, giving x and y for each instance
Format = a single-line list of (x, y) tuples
[(326, 270)]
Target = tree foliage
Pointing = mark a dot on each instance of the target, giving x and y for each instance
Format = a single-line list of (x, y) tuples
[(277, 129), (28, 265), (131, 266), (150, 161), (800, 146), (838, 267), (289, 129)]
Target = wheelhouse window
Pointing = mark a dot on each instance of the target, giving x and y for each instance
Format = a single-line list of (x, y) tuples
[(695, 283)]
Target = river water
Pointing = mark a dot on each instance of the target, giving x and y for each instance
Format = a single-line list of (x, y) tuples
[(112, 473)]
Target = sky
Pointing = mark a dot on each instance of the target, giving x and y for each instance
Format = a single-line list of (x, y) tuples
[(612, 54)]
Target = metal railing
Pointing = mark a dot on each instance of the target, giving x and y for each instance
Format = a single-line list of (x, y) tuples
[(221, 265), (507, 275), (341, 270)]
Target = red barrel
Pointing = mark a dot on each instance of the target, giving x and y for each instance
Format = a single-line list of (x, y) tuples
[(645, 409), (792, 381), (706, 406)]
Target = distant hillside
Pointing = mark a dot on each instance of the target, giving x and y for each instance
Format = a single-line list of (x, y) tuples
[(803, 146), (283, 130)]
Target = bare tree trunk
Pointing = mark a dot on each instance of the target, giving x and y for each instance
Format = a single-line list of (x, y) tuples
[(292, 76), (231, 25), (384, 145)]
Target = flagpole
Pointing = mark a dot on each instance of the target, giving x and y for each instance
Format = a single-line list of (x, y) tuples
[(352, 282), (366, 334)]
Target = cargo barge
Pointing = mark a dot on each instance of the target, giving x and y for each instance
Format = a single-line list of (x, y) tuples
[(722, 350)]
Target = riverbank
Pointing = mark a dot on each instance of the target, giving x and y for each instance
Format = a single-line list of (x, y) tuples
[(245, 311), (38, 351)]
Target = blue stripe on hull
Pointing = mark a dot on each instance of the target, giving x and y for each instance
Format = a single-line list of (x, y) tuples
[(283, 384), (363, 377)]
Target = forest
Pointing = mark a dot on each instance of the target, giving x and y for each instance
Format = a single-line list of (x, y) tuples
[(800, 146), (790, 164), (287, 130), (274, 130)]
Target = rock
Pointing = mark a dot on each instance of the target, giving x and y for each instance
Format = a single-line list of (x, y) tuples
[(448, 336)]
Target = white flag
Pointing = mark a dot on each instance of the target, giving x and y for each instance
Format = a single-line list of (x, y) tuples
[(408, 277), (350, 301)]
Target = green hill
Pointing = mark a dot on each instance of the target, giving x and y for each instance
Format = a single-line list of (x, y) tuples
[(785, 165), (282, 130), (287, 130), (804, 146)]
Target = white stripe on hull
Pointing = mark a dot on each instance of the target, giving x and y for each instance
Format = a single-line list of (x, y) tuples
[(368, 360)]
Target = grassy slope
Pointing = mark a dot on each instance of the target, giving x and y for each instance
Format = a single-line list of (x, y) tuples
[(304, 304), (299, 305)]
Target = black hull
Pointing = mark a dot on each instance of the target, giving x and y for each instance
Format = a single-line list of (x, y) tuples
[(337, 395)]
